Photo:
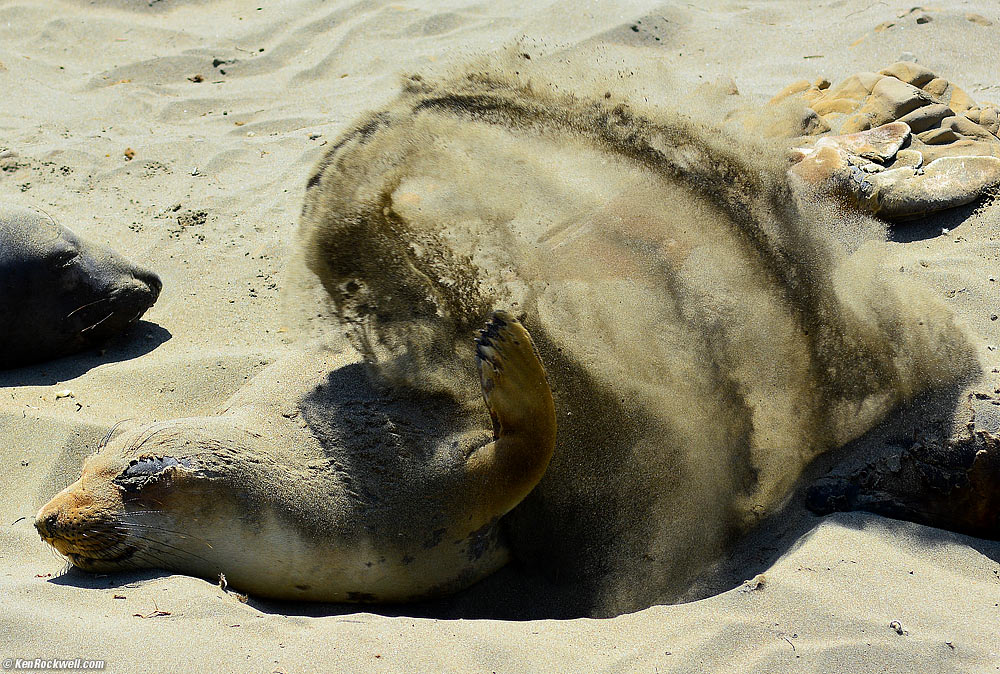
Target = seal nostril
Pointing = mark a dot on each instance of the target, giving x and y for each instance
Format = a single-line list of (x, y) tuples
[(151, 280), (46, 525)]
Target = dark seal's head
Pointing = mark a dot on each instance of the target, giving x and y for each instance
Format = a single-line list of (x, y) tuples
[(60, 294)]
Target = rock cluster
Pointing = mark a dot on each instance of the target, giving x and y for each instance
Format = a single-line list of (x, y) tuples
[(902, 142)]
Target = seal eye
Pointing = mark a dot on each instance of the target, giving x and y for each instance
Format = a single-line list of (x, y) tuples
[(143, 472)]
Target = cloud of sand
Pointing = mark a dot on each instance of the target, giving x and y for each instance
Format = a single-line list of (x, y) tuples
[(705, 330)]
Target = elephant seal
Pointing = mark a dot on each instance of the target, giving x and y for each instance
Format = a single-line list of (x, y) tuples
[(354, 522), (708, 328), (60, 294), (950, 484)]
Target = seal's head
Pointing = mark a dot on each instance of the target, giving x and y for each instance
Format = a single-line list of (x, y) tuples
[(110, 519), (60, 294)]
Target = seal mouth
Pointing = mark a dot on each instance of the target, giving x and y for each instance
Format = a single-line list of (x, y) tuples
[(113, 312), (90, 562), (111, 558), (90, 552)]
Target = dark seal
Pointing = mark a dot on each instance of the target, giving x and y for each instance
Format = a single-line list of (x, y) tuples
[(60, 294), (952, 484)]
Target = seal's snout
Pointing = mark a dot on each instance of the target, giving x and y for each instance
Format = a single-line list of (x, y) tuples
[(152, 282), (83, 529), (45, 524), (55, 517)]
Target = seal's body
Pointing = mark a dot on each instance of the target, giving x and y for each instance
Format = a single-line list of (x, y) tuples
[(321, 510), (60, 294), (708, 327)]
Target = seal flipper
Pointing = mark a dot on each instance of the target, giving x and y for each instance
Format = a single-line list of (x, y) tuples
[(517, 394)]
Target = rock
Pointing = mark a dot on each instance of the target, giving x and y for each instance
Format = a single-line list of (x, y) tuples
[(965, 147), (989, 119), (856, 123), (863, 123), (978, 19), (944, 183), (842, 105), (938, 136), (891, 99), (878, 144), (926, 116), (907, 158), (820, 166), (966, 127), (789, 120), (959, 100), (937, 87), (856, 86), (791, 89), (911, 73)]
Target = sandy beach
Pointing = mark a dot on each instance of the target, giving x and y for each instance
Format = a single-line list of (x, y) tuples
[(181, 133)]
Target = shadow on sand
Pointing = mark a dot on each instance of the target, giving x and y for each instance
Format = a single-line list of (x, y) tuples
[(140, 340)]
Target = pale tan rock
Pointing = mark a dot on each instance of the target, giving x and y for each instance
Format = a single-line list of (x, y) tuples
[(909, 72), (938, 136), (790, 90), (811, 95), (891, 99), (944, 183), (790, 120), (978, 19), (828, 105), (959, 100), (856, 86), (926, 116), (878, 144), (966, 127), (819, 166), (908, 158), (989, 119), (972, 114), (936, 87), (869, 117), (965, 147), (856, 123)]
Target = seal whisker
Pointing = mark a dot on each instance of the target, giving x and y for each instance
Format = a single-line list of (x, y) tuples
[(91, 327), (99, 537), (136, 507), (129, 526), (160, 555), (153, 430), (107, 436), (58, 555), (106, 298), (147, 539), (53, 281)]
